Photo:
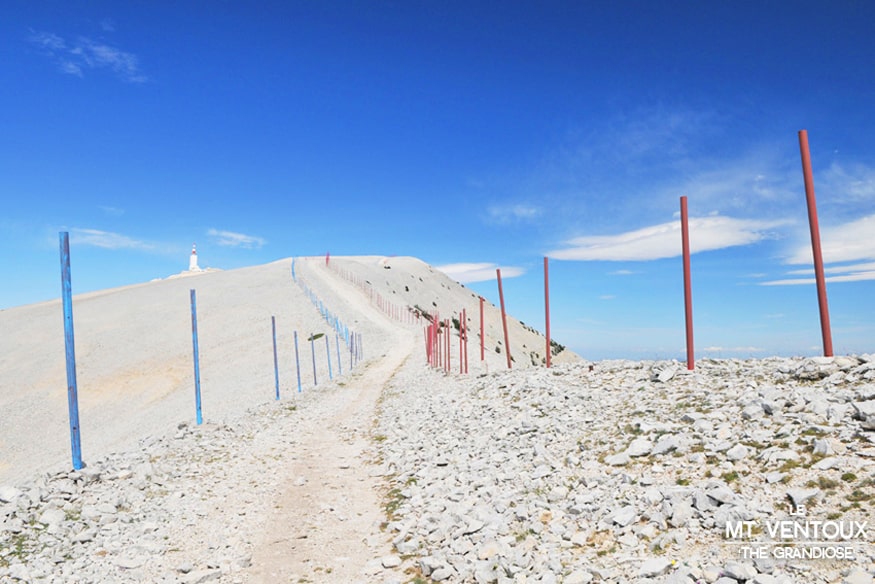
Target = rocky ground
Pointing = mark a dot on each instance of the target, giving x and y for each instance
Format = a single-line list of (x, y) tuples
[(626, 472), (630, 472)]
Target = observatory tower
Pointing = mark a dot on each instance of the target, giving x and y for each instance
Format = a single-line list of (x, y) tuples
[(192, 260)]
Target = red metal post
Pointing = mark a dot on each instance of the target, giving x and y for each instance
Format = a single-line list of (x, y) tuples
[(503, 317), (482, 340), (448, 336), (440, 342), (547, 309), (815, 244), (461, 348), (427, 348), (688, 288), (435, 346)]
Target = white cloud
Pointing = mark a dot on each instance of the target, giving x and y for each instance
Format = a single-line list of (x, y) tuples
[(232, 239), (733, 350), (664, 240), (622, 273), (851, 277), (112, 211), (107, 240), (48, 41), (607, 297), (513, 213), (850, 184), (852, 241), (75, 56), (478, 272), (864, 267)]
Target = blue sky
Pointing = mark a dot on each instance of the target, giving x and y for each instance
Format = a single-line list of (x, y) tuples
[(471, 135)]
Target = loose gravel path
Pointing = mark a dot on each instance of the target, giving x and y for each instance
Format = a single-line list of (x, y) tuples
[(326, 522)]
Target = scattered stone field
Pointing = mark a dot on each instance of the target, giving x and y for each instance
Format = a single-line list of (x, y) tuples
[(613, 472)]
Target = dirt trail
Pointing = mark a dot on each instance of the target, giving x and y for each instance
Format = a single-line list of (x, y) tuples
[(325, 526)]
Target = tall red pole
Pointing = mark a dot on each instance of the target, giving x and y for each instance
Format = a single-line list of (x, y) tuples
[(503, 317), (427, 348), (482, 340), (815, 244), (688, 287), (547, 309), (461, 343)]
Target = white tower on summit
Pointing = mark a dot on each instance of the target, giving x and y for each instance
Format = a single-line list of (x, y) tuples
[(192, 261)]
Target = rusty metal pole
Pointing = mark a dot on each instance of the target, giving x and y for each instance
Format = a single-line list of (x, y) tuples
[(461, 347), (447, 329), (547, 309), (815, 244), (503, 317), (688, 288)]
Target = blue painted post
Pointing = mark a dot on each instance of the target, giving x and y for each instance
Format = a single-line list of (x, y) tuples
[(297, 362), (339, 362), (313, 353), (72, 389), (294, 278), (351, 350), (276, 370), (197, 369), (328, 353)]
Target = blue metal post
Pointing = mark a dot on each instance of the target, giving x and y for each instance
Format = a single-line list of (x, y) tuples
[(339, 362), (293, 270), (72, 390), (328, 353), (297, 362), (197, 368), (276, 370)]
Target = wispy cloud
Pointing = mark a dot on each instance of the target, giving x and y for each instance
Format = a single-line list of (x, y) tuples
[(111, 211), (478, 272), (232, 239), (848, 253), (656, 132), (107, 240), (502, 214), (848, 242), (848, 183), (664, 240), (75, 56), (846, 274), (733, 350)]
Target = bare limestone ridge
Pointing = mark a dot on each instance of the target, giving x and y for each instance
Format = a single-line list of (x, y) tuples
[(411, 283), (382, 470)]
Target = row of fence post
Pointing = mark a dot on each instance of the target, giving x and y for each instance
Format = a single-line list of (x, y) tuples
[(400, 313), (353, 339)]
